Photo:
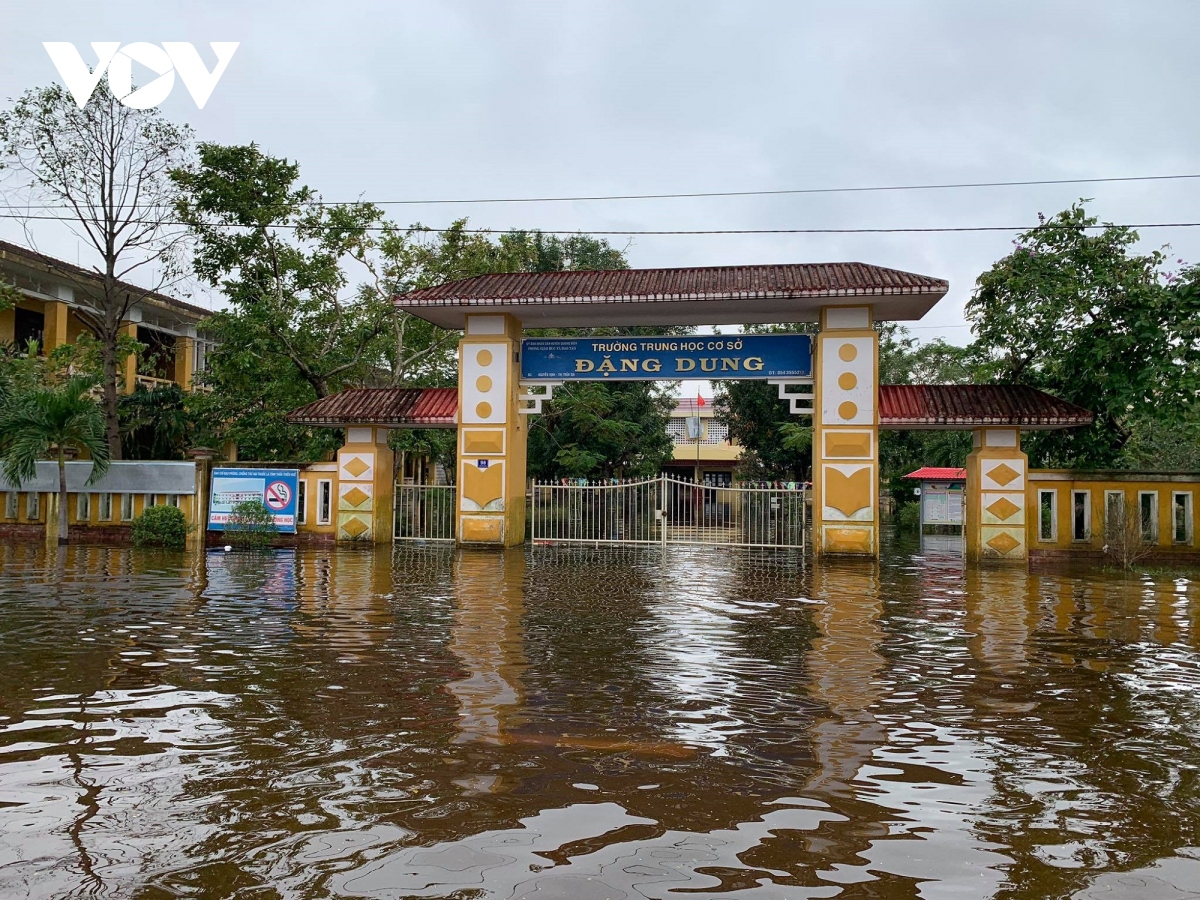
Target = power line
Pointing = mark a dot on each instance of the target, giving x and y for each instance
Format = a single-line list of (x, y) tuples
[(945, 229), (960, 185)]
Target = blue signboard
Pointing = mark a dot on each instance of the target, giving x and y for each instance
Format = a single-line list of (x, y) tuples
[(713, 356), (277, 488)]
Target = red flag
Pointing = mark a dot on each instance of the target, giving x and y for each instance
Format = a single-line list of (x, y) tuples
[(699, 400)]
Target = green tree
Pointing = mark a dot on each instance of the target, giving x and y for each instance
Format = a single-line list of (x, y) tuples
[(279, 256), (296, 329), (161, 423), (53, 421), (108, 166), (599, 430), (1079, 313), (775, 444)]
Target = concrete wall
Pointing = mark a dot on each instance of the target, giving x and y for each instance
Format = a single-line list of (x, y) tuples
[(1057, 537)]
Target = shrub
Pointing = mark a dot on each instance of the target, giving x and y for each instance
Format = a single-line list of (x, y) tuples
[(908, 517), (251, 525), (160, 526)]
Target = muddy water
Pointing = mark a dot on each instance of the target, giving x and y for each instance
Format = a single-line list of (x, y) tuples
[(592, 724)]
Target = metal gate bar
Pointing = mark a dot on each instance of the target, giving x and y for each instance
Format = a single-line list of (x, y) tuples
[(667, 510), (425, 512)]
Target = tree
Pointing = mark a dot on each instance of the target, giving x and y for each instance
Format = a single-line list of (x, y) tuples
[(775, 444), (1080, 314), (600, 430), (108, 166), (278, 254), (53, 420)]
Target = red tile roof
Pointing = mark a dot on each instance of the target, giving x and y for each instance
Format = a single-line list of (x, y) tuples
[(901, 406), (392, 407), (640, 291), (958, 406), (938, 473)]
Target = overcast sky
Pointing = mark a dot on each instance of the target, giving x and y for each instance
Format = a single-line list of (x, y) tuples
[(395, 101)]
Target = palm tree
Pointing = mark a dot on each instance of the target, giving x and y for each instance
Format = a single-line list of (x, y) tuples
[(57, 421)]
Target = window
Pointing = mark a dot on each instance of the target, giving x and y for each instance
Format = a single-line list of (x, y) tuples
[(105, 511), (1081, 516), (127, 507), (1148, 515), (10, 505), (166, 500), (1114, 517), (1181, 516), (301, 502), (1047, 515), (33, 506), (324, 502), (83, 507), (28, 325)]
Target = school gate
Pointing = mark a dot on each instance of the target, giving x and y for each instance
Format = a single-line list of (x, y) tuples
[(504, 379)]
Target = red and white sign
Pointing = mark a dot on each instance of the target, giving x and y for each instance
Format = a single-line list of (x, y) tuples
[(277, 495)]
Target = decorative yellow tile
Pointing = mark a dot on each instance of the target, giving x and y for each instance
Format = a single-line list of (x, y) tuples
[(356, 466), (848, 493), (847, 445), (356, 496), (847, 540), (483, 529), (1003, 474), (354, 527), (1003, 543), (481, 487), (1003, 508), (482, 442)]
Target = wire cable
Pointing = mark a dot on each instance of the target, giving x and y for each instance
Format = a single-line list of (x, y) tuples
[(959, 185), (609, 232)]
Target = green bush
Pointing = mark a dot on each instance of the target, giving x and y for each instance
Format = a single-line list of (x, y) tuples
[(251, 525), (160, 526), (908, 517)]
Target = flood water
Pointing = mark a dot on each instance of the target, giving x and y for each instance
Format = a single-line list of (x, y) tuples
[(581, 723)]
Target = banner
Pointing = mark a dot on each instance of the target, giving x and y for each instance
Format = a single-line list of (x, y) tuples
[(276, 488), (715, 357)]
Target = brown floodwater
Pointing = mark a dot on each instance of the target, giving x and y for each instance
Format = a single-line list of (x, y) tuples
[(584, 723)]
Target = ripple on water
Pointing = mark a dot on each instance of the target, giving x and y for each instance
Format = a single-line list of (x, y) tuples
[(591, 723)]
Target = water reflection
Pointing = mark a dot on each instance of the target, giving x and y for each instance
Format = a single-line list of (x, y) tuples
[(591, 723)]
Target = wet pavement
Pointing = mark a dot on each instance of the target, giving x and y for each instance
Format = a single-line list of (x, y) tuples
[(582, 723)]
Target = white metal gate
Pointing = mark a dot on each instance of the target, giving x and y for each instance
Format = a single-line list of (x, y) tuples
[(667, 510), (424, 512)]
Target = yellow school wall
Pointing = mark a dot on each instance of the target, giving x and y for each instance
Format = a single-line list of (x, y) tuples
[(311, 477), (46, 508), (1065, 482)]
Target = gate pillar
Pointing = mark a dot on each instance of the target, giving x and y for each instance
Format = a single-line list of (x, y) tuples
[(366, 481), (996, 502), (491, 433), (846, 433)]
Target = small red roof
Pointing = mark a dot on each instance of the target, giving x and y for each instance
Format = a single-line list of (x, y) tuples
[(390, 407), (961, 406), (938, 473)]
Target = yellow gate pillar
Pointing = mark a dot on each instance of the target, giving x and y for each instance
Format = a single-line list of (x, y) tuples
[(366, 484), (491, 433), (996, 468), (846, 433)]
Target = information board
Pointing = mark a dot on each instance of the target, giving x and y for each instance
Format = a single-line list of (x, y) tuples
[(276, 488), (713, 356)]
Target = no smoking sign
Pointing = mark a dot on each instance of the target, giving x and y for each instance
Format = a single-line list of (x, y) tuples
[(278, 495)]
